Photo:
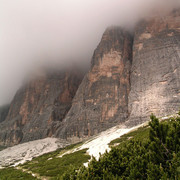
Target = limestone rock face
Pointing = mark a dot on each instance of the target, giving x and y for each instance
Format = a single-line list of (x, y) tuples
[(38, 106), (155, 73), (102, 98)]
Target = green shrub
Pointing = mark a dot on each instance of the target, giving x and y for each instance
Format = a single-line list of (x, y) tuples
[(157, 157), (56, 167), (14, 174)]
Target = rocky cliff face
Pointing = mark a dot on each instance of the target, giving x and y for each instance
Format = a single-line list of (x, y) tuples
[(38, 106), (155, 73), (128, 79), (102, 98)]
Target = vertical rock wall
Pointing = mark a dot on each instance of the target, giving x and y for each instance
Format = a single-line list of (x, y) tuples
[(102, 98), (155, 74)]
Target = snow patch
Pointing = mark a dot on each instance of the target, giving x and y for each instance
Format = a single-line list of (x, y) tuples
[(99, 144)]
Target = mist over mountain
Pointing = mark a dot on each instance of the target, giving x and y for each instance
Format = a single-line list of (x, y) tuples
[(45, 33)]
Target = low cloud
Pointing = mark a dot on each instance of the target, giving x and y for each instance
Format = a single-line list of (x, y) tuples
[(35, 33)]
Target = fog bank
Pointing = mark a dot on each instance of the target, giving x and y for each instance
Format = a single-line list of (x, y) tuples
[(36, 33)]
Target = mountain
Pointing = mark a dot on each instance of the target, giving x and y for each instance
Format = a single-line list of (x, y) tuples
[(131, 76), (155, 72), (119, 151), (101, 101), (24, 152), (38, 106)]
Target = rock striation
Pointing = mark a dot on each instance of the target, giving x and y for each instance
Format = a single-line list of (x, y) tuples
[(38, 106), (101, 101), (155, 73)]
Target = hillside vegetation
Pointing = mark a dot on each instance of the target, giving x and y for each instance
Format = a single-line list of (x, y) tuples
[(48, 166), (150, 152)]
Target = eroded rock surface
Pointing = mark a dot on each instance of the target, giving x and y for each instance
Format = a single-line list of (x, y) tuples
[(155, 74), (38, 106), (101, 101)]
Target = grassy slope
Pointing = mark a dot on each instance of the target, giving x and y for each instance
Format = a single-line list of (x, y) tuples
[(14, 174), (139, 134), (48, 165), (55, 166)]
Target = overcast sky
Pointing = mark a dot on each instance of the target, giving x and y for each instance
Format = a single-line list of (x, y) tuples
[(35, 33)]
